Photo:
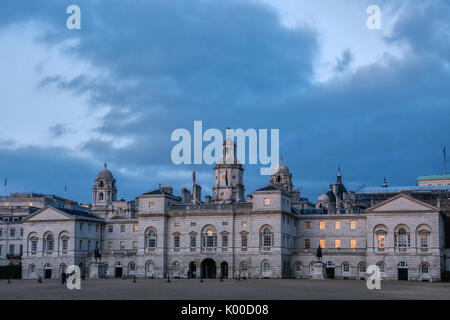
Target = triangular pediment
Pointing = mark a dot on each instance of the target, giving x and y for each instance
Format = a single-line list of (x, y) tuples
[(48, 214), (402, 203)]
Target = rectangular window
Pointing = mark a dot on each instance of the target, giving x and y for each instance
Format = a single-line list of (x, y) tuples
[(176, 241), (135, 245), (337, 243), (122, 245), (122, 228), (353, 225), (81, 244), (65, 244), (110, 246), (193, 241), (337, 225), (89, 245), (21, 232), (307, 243), (224, 241), (135, 228), (322, 225), (353, 243), (33, 246), (307, 224), (193, 224), (244, 240), (11, 249), (176, 224), (81, 226), (12, 232), (21, 250), (381, 240), (224, 223), (423, 241), (110, 228), (322, 243)]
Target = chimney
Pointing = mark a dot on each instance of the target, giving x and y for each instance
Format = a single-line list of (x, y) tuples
[(197, 196), (295, 195), (185, 195), (207, 199)]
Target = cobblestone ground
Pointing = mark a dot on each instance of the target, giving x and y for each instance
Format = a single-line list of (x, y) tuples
[(228, 289)]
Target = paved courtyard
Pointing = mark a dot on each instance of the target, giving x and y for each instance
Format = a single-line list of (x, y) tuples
[(228, 289)]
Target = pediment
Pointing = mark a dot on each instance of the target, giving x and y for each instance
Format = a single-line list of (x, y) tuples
[(48, 214), (402, 203)]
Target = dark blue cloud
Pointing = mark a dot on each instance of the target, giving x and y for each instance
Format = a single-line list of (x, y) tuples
[(231, 63)]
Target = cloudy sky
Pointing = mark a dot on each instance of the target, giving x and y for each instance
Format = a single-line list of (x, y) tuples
[(376, 102)]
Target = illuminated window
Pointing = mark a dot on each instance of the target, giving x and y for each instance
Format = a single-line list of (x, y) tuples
[(337, 225), (176, 224), (322, 225), (353, 243), (322, 243), (266, 201), (30, 204), (122, 245), (110, 247), (244, 223), (337, 243), (307, 224), (353, 225), (381, 240), (135, 228), (135, 245)]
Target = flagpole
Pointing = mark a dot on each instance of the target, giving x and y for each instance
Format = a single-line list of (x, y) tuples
[(6, 192), (445, 161)]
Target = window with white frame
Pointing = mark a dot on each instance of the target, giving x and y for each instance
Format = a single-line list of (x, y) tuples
[(48, 243), (224, 241), (244, 240), (176, 241), (150, 238), (193, 241), (266, 266), (424, 268)]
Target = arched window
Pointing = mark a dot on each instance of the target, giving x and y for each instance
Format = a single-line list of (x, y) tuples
[(346, 267), (298, 267), (176, 267), (244, 266), (101, 196), (33, 245), (424, 268), (209, 237), (266, 237), (48, 243), (131, 268), (31, 271), (150, 238), (266, 266), (402, 237), (101, 184)]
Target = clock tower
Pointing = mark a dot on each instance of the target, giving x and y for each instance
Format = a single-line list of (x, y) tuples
[(228, 176)]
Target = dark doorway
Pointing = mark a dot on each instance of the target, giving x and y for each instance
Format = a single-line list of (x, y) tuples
[(208, 268), (402, 273), (48, 273), (118, 272), (330, 272), (224, 269), (192, 269)]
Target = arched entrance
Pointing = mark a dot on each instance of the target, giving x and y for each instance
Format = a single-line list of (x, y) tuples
[(192, 269), (208, 268), (224, 269), (402, 271), (330, 270)]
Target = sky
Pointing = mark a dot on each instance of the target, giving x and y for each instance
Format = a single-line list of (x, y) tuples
[(375, 102)]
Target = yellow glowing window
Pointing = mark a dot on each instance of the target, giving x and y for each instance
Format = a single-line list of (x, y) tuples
[(353, 224), (381, 240), (322, 225), (322, 243), (177, 224), (30, 204), (266, 201), (337, 243), (337, 225), (135, 228), (244, 223), (353, 243), (110, 246), (209, 232), (307, 225)]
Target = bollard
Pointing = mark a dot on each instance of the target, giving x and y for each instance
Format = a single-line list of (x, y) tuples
[(134, 278), (168, 278), (9, 281), (39, 279)]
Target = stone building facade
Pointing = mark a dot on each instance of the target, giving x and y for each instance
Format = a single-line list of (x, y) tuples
[(271, 233)]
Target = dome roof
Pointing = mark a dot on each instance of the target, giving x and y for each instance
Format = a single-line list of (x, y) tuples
[(281, 168), (323, 197), (105, 174)]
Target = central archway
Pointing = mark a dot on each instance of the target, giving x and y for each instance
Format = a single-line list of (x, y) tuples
[(208, 268)]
